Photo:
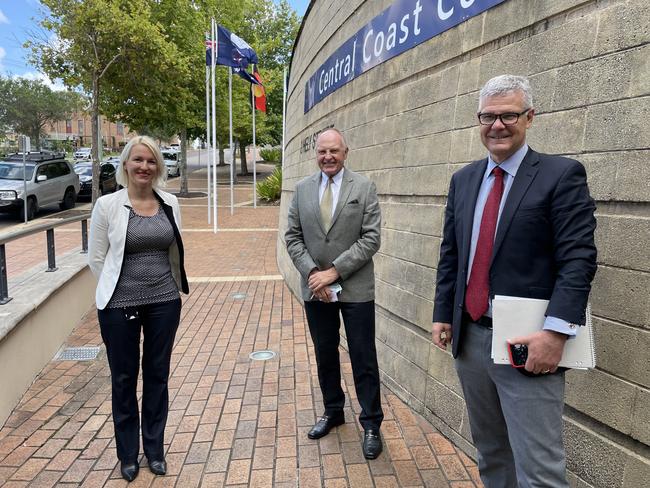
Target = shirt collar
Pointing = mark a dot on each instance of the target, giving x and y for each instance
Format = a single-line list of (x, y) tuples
[(510, 165), (336, 179)]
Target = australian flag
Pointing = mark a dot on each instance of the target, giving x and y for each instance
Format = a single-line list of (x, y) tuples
[(208, 50), (233, 51)]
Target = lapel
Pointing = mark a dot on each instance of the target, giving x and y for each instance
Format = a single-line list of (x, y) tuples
[(473, 185), (347, 183), (123, 211), (118, 220), (525, 176), (169, 212), (314, 204)]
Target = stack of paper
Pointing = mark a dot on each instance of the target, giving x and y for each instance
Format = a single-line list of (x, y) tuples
[(515, 316)]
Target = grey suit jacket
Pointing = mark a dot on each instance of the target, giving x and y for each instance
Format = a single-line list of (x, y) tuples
[(350, 243)]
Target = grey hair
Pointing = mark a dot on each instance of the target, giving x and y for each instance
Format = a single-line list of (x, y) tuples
[(161, 177), (504, 84)]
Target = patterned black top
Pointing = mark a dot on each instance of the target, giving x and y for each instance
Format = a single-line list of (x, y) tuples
[(146, 275)]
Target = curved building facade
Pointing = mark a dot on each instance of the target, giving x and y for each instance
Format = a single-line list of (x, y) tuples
[(400, 79)]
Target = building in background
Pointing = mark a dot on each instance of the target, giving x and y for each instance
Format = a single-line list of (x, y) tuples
[(78, 130)]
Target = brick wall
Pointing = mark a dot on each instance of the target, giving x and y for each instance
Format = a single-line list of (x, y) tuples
[(410, 123)]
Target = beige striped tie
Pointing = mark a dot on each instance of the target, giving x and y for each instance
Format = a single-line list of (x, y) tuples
[(326, 205)]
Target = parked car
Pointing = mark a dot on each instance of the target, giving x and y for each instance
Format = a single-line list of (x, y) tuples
[(171, 163), (107, 181), (83, 154), (114, 160), (50, 179)]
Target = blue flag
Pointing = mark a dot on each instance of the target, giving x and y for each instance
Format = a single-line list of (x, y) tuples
[(233, 50), (246, 76)]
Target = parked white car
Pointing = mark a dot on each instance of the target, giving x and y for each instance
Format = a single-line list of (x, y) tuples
[(171, 163), (50, 180), (83, 154)]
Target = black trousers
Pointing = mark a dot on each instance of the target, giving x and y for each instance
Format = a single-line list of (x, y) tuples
[(120, 330), (359, 320)]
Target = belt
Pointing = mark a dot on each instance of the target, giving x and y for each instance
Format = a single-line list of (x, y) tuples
[(483, 321)]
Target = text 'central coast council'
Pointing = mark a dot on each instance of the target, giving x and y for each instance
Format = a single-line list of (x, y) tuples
[(400, 27)]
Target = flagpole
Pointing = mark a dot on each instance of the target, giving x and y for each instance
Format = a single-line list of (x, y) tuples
[(232, 149), (254, 148), (207, 129), (284, 112), (215, 47)]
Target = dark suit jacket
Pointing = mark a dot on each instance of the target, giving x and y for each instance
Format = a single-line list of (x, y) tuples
[(544, 245)]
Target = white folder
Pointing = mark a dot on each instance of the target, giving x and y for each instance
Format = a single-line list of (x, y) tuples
[(516, 316)]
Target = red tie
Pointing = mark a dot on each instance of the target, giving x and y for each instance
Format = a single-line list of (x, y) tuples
[(476, 296)]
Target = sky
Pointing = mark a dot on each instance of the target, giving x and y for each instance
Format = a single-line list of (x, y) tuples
[(16, 23)]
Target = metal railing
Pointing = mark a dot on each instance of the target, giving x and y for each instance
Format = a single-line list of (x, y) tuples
[(48, 228)]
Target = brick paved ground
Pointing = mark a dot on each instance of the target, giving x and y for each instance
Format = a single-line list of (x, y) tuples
[(233, 421)]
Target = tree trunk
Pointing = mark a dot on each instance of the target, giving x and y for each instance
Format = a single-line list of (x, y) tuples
[(94, 117), (244, 165), (33, 132), (222, 156), (183, 164)]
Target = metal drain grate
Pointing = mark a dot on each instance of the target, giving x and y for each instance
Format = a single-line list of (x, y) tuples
[(262, 355), (78, 354)]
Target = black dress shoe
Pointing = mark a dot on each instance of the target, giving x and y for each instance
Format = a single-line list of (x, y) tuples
[(129, 471), (372, 445), (324, 425), (158, 467)]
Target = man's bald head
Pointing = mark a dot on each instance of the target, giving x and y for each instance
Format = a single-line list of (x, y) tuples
[(331, 151)]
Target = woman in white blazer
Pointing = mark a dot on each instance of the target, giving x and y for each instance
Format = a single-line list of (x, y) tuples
[(136, 253)]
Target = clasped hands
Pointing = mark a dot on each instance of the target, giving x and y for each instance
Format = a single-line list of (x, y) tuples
[(545, 347), (318, 282)]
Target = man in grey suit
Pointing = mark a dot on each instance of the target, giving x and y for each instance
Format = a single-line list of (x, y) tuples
[(333, 233)]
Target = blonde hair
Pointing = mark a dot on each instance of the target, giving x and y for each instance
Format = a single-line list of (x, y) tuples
[(149, 143)]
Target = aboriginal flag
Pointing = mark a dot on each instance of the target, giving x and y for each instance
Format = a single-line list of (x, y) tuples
[(258, 91)]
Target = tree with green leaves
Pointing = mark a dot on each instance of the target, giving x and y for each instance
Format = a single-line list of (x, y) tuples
[(183, 22), (270, 29), (116, 52), (142, 62), (27, 106)]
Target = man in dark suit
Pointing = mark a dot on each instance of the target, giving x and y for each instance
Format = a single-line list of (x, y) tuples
[(333, 232), (517, 223)]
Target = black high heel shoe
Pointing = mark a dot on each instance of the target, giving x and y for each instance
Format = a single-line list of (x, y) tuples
[(158, 467), (129, 471)]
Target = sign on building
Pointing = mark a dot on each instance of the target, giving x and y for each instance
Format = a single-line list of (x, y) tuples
[(400, 27)]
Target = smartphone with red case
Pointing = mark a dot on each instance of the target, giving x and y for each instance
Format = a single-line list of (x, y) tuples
[(518, 354)]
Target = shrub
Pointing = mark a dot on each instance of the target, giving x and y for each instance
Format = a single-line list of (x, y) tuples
[(271, 155), (271, 188)]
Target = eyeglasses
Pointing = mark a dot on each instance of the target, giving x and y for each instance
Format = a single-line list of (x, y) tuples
[(509, 118)]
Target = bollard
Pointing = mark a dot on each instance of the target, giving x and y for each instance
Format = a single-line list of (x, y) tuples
[(84, 237), (51, 258), (4, 288)]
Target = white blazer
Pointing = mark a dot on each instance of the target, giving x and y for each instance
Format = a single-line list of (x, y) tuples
[(108, 226)]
